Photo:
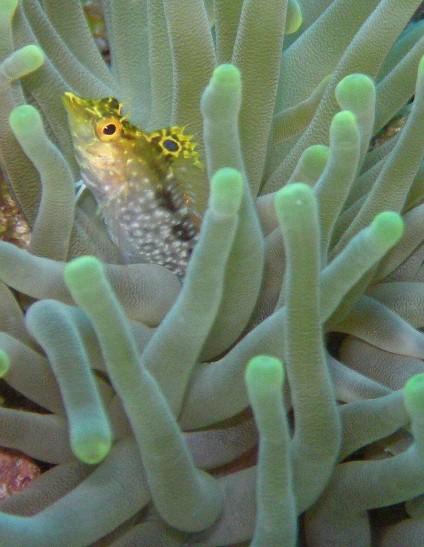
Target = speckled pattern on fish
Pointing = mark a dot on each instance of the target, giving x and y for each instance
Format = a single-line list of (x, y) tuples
[(150, 187)]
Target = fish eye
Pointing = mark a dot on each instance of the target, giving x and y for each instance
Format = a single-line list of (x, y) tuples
[(171, 145), (108, 129)]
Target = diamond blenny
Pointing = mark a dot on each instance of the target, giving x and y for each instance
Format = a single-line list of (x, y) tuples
[(150, 187)]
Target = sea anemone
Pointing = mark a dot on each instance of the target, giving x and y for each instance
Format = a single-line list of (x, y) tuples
[(308, 266)]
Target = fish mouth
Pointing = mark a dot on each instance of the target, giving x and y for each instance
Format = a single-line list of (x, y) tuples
[(70, 100), (73, 103)]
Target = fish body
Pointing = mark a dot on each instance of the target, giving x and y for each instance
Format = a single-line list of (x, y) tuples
[(150, 186)]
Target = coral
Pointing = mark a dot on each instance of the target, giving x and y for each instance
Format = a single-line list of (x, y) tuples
[(308, 267)]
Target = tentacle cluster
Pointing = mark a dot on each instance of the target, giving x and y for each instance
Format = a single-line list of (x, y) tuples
[(308, 266)]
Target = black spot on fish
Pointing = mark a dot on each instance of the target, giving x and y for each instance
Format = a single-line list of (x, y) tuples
[(168, 199), (184, 230)]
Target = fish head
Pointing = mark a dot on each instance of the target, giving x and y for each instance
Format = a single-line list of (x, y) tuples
[(98, 125), (93, 120), (104, 141)]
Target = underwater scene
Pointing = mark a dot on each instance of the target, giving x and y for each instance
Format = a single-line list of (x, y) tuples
[(211, 273)]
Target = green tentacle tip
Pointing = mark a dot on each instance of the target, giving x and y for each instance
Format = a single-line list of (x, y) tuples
[(28, 59), (4, 363), (226, 191), (83, 272), (355, 91), (292, 197), (388, 227), (294, 17), (8, 8), (264, 372), (344, 128), (226, 74), (421, 65), (413, 393), (22, 62), (25, 120), (316, 156), (92, 450)]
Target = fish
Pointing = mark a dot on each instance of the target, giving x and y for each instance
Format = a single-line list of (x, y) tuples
[(150, 186)]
